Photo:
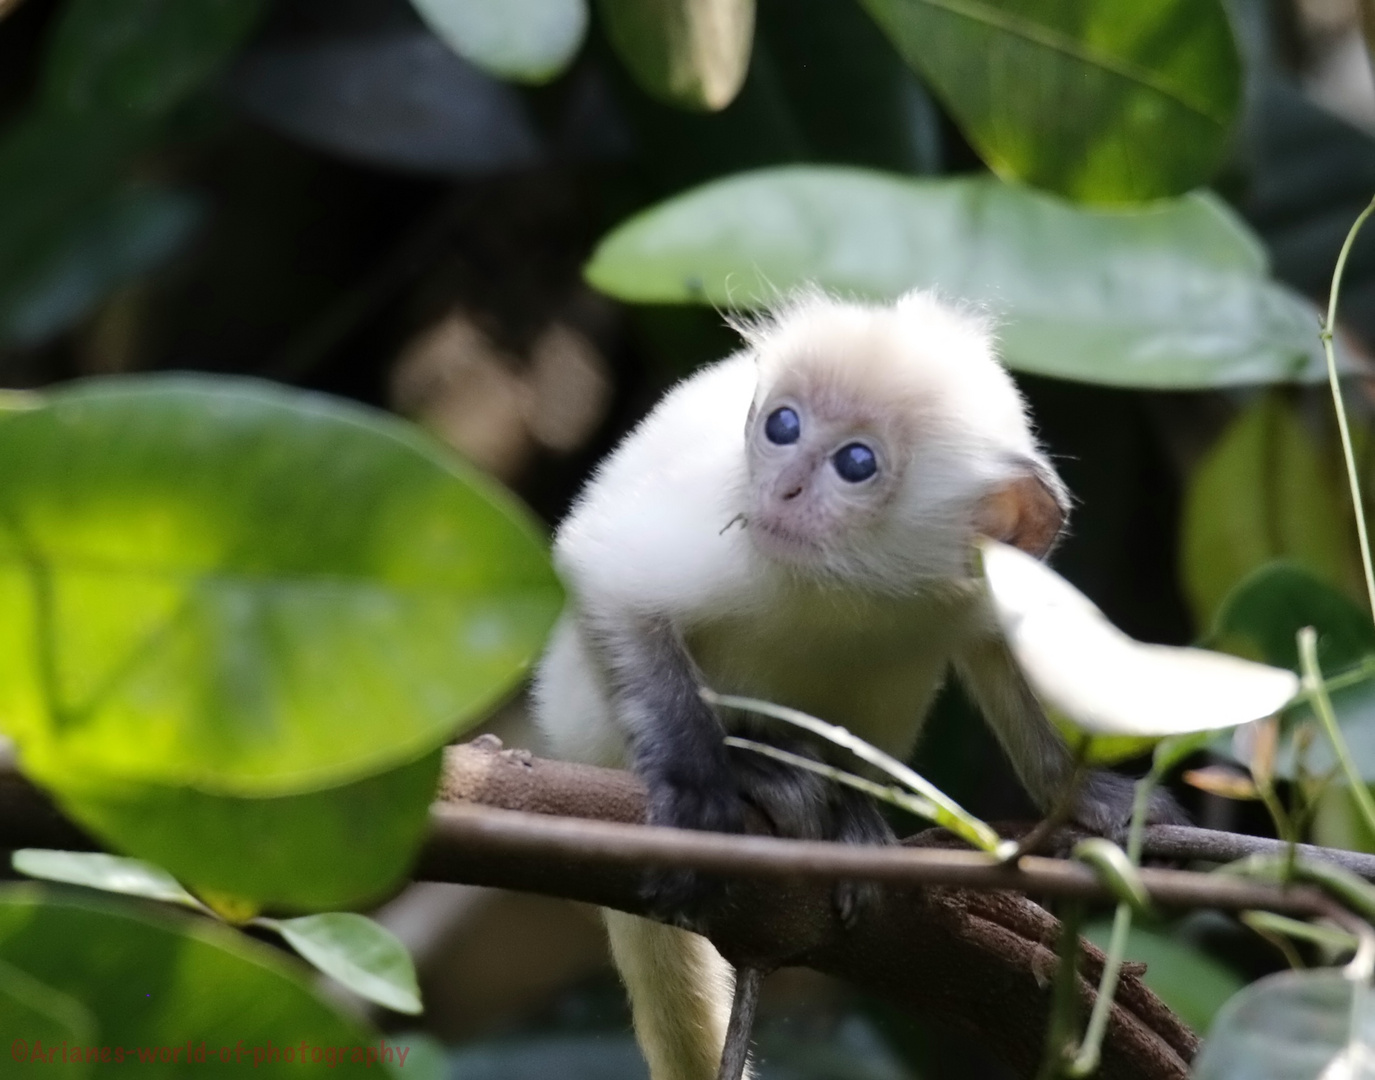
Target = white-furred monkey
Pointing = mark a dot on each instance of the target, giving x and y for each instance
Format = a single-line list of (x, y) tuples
[(794, 523)]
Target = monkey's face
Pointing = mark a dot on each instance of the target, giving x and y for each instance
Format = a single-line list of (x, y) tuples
[(822, 471)]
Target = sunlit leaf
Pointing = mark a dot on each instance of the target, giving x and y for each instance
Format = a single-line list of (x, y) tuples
[(321, 850), (692, 53), (1105, 682), (1102, 102), (151, 982), (1296, 1025), (527, 40), (262, 592), (97, 870), (1173, 295), (1223, 782), (1188, 980), (1265, 491), (365, 957)]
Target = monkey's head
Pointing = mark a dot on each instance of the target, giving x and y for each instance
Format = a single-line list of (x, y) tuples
[(881, 440)]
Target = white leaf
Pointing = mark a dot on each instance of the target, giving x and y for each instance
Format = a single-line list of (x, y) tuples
[(1297, 1025), (1106, 683)]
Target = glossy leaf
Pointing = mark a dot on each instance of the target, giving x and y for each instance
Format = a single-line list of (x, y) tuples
[(1103, 681), (1265, 491), (1188, 980), (1272, 605), (109, 873), (140, 58), (1098, 102), (691, 53), (364, 956), (1296, 1025), (322, 850), (151, 982), (526, 40), (1174, 295), (262, 592)]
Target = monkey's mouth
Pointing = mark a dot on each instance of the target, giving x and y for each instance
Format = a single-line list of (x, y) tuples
[(778, 541)]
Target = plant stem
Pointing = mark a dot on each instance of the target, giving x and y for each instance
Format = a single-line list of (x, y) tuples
[(1090, 1049), (1063, 996), (1322, 705), (1328, 327)]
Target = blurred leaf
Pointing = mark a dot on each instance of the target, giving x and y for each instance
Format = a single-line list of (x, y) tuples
[(1223, 782), (397, 97), (1338, 821), (1103, 103), (526, 40), (1269, 607), (1265, 491), (322, 850), (263, 592), (124, 236), (1104, 682), (44, 1018), (424, 1059), (140, 57), (1296, 1025), (1170, 752), (159, 982), (364, 956), (691, 53), (96, 870), (1187, 979), (1172, 296)]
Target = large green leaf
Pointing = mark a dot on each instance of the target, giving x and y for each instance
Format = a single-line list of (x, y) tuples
[(1266, 491), (527, 40), (321, 850), (140, 57), (1175, 295), (249, 590), (691, 53), (153, 983), (1108, 103)]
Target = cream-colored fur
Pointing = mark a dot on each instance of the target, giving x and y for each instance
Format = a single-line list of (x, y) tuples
[(681, 991)]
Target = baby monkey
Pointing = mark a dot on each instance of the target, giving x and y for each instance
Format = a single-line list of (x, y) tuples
[(794, 523)]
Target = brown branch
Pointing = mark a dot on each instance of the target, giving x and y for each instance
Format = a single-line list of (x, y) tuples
[(981, 960)]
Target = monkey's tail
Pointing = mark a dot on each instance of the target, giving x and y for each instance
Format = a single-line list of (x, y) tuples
[(681, 992)]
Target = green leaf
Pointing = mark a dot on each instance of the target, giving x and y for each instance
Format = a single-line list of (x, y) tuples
[(154, 981), (1265, 491), (1270, 607), (1189, 981), (122, 237), (37, 1017), (1104, 682), (262, 592), (140, 58), (1098, 102), (321, 850), (1296, 1024), (1171, 296), (109, 873), (365, 957), (525, 40), (691, 53)]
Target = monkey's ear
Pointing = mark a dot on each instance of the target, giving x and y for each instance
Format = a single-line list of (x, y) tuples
[(1027, 513)]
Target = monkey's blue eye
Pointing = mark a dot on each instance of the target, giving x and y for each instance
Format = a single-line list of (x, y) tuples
[(855, 462), (783, 427)]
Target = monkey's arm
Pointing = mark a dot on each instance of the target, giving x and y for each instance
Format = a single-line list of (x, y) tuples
[(1039, 755), (675, 739)]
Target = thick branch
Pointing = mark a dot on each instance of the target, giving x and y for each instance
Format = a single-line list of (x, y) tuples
[(981, 960)]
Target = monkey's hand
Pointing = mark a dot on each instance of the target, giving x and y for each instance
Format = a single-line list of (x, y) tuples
[(696, 793), (1105, 803)]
